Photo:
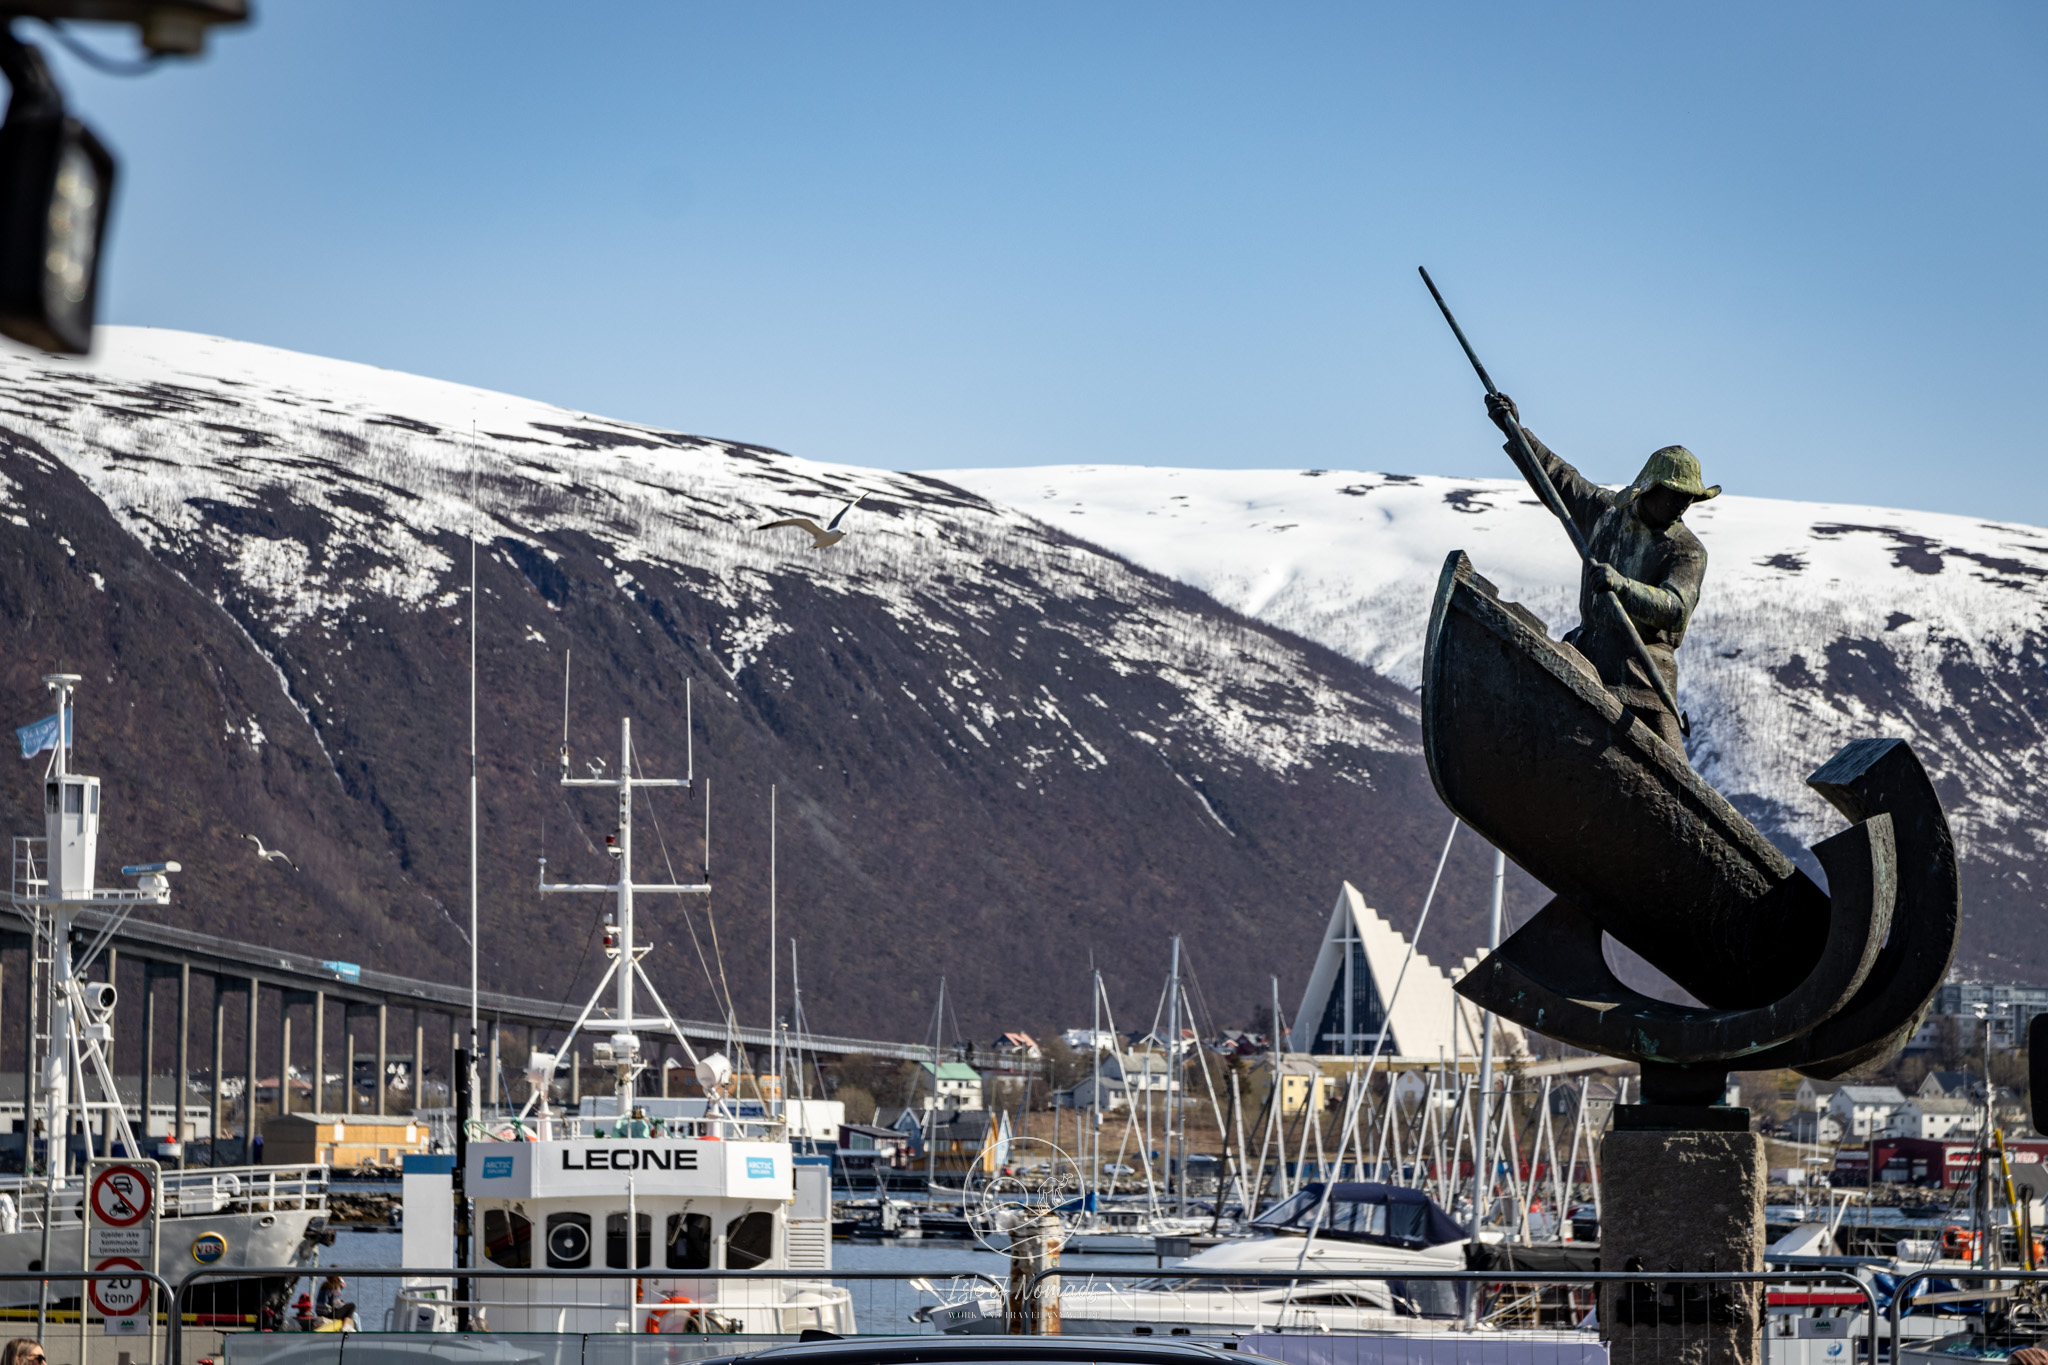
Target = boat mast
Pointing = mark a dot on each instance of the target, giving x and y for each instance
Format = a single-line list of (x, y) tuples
[(1178, 1173), (1482, 1175), (50, 896), (624, 949)]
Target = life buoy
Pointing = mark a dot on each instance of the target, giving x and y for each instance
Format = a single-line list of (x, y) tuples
[(1958, 1241), (672, 1319)]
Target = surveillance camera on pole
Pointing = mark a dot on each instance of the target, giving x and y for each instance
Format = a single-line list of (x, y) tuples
[(57, 177)]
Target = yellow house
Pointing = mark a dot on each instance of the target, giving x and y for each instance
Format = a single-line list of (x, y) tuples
[(1302, 1084), (342, 1139)]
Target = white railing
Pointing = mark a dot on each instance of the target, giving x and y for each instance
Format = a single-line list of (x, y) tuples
[(572, 1126), (186, 1193)]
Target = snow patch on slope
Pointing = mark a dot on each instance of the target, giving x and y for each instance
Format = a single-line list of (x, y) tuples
[(321, 485), (1820, 622)]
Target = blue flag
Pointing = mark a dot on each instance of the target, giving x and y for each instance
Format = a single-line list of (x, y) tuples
[(43, 734)]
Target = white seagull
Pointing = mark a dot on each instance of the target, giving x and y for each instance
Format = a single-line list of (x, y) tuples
[(821, 536), (271, 854)]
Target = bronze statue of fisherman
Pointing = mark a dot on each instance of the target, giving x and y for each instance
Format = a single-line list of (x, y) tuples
[(1640, 549)]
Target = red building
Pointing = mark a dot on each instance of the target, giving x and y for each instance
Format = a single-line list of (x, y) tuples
[(1941, 1164)]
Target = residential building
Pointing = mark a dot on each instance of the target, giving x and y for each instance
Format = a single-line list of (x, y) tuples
[(1083, 1094), (865, 1148), (962, 1141), (1864, 1111), (1813, 1127), (2007, 1010), (1951, 1085), (1935, 1118), (1017, 1045), (1302, 1084), (1089, 1040), (1813, 1094), (1139, 1071), (958, 1085)]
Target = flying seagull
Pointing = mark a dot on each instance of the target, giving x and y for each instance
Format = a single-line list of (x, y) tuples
[(821, 536), (271, 854)]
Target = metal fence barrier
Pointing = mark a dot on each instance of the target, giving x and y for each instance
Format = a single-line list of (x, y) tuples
[(160, 1294), (1451, 1316), (1415, 1317), (871, 1306), (1904, 1298)]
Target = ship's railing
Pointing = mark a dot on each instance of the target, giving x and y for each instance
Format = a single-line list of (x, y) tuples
[(184, 1193), (29, 879), (562, 1127)]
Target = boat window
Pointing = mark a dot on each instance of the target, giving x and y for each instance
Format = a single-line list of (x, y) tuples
[(749, 1241), (74, 798), (615, 1241), (50, 799), (1408, 1222), (508, 1239), (95, 800), (568, 1240), (1428, 1298), (689, 1241)]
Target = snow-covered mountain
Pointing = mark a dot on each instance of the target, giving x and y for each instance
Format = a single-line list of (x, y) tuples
[(998, 749), (1017, 721), (1819, 622)]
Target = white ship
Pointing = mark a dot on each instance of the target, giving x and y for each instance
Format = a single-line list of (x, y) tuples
[(211, 1218), (663, 1189)]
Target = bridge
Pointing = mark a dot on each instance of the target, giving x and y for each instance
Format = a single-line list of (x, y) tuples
[(247, 977)]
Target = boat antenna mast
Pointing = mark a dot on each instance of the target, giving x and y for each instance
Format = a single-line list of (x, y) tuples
[(621, 1052), (53, 883)]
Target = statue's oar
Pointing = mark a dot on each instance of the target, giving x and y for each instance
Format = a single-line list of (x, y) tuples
[(1539, 478)]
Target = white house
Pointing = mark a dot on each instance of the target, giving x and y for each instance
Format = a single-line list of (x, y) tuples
[(1865, 1111), (1139, 1071), (1936, 1117), (1814, 1095), (1083, 1095), (1813, 1126), (1089, 1040), (958, 1085)]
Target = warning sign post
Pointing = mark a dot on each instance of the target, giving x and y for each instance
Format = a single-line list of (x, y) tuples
[(121, 1214)]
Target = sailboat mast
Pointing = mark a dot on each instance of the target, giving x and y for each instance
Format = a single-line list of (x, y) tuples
[(625, 1043), (1173, 1078), (774, 954), (1482, 1180), (473, 872)]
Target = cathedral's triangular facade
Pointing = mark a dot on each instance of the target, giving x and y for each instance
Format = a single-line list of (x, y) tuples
[(1351, 994)]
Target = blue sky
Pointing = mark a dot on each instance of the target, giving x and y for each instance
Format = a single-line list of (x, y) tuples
[(1804, 240)]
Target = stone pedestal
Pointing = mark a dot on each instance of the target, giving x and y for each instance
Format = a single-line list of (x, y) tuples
[(1681, 1199)]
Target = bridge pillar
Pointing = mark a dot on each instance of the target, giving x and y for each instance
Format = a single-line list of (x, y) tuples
[(249, 1086), (182, 1076), (419, 1058), (284, 1052), (148, 1067), (383, 1054), (319, 1052)]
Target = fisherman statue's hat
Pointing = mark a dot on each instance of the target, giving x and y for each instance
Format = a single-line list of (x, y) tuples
[(1673, 467)]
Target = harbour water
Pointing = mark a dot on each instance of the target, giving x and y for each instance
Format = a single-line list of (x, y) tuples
[(880, 1306)]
